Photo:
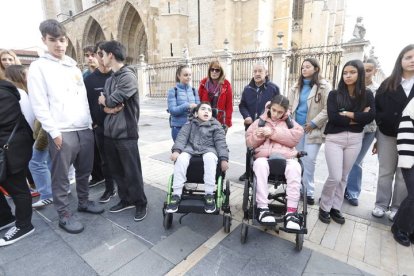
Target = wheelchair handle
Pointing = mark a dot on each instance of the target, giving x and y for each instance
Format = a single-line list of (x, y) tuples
[(301, 154)]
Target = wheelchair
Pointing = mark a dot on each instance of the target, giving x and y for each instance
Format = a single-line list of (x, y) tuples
[(192, 198), (277, 207)]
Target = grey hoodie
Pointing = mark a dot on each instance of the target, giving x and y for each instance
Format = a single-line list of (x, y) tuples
[(122, 88), (198, 137)]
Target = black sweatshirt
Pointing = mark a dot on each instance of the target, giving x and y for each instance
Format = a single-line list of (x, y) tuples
[(94, 84), (338, 123)]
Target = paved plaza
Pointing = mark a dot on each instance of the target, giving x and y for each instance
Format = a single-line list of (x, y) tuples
[(113, 244)]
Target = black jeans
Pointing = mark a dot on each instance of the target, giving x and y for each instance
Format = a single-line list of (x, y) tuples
[(18, 189), (97, 173), (125, 165), (404, 219), (99, 142)]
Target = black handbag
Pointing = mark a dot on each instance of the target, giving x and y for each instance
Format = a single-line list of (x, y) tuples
[(3, 150)]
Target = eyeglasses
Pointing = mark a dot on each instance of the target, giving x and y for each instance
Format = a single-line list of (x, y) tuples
[(100, 54), (212, 70)]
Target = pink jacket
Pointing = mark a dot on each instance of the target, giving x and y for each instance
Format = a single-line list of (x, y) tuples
[(282, 140)]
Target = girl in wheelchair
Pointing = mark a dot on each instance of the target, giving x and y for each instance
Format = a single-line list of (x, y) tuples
[(276, 138), (201, 135)]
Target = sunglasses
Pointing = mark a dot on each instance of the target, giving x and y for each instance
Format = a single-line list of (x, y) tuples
[(212, 70), (100, 54)]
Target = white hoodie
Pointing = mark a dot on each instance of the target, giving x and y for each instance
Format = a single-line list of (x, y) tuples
[(58, 95)]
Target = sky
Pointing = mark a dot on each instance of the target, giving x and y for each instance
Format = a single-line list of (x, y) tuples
[(388, 24)]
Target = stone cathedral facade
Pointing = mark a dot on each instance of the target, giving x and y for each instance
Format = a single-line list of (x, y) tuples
[(161, 29)]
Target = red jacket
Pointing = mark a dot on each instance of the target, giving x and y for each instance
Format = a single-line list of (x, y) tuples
[(224, 102)]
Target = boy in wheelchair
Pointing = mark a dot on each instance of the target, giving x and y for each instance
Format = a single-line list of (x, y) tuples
[(202, 135), (276, 138)]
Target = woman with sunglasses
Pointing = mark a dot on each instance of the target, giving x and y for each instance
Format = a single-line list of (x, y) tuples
[(181, 99), (308, 105), (349, 108), (216, 90)]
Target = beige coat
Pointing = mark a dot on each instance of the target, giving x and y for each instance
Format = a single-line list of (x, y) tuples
[(317, 112)]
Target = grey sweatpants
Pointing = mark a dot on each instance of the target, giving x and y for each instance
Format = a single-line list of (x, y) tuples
[(77, 149), (388, 159)]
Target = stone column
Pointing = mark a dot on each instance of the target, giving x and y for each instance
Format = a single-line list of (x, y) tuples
[(354, 49), (142, 76), (278, 65), (225, 57)]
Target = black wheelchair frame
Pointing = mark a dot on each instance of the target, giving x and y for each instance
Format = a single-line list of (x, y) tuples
[(276, 178)]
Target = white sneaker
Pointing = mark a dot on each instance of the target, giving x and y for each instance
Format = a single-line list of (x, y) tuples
[(292, 221), (378, 212), (391, 215), (42, 203), (264, 216)]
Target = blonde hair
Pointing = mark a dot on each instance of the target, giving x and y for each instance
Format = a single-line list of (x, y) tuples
[(13, 54)]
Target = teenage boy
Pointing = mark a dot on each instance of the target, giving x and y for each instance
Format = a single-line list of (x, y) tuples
[(90, 60), (59, 101), (121, 131), (255, 95), (95, 83)]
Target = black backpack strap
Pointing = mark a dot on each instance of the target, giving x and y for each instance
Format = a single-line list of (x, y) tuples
[(261, 122)]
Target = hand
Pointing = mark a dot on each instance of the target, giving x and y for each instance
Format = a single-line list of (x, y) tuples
[(259, 131), (101, 99), (374, 149), (193, 105), (308, 128), (248, 121), (58, 142), (267, 132), (174, 156), (113, 110), (224, 165), (367, 109)]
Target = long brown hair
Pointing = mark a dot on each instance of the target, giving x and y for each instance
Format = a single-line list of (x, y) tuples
[(393, 81), (315, 77), (216, 64), (17, 75)]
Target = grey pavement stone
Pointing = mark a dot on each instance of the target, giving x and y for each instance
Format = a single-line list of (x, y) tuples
[(147, 263), (263, 254), (323, 265), (179, 245), (114, 254)]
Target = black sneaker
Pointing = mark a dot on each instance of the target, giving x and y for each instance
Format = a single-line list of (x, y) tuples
[(95, 182), (8, 223), (140, 213), (14, 234), (337, 216), (210, 204), (324, 216), (310, 200), (107, 195), (242, 177), (172, 207), (121, 206)]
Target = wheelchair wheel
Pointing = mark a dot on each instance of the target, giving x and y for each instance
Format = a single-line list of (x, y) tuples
[(226, 223), (168, 217), (227, 192), (244, 232), (299, 242)]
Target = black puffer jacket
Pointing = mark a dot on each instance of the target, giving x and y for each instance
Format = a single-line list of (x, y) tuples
[(20, 148), (198, 137)]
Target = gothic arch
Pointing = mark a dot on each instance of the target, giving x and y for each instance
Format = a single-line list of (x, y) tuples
[(131, 33), (70, 50), (93, 33)]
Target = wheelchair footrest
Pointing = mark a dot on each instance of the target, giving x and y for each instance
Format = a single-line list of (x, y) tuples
[(300, 231), (193, 206)]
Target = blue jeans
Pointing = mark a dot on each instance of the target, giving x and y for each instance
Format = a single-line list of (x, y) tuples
[(174, 132), (309, 163), (39, 166), (353, 187)]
